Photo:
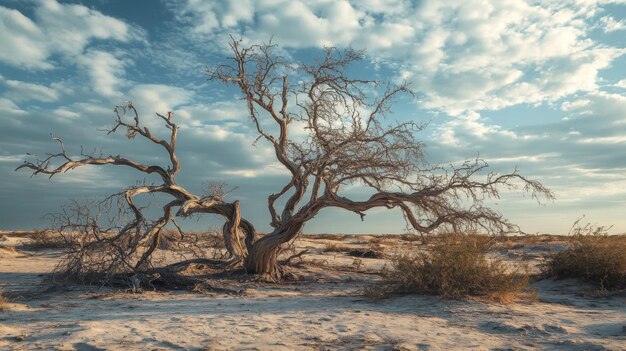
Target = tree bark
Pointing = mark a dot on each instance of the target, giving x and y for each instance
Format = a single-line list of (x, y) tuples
[(231, 232), (263, 257)]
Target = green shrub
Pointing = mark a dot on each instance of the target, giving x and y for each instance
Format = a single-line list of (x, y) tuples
[(592, 256), (455, 267)]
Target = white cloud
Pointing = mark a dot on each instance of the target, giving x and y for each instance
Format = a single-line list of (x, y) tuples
[(208, 16), (21, 41), (65, 113), (609, 24), (609, 108), (11, 158), (24, 91), (91, 177), (105, 71), (462, 55), (57, 29), (220, 111), (265, 170), (526, 158), (470, 126), (158, 98), (579, 156), (70, 27), (10, 107), (604, 140)]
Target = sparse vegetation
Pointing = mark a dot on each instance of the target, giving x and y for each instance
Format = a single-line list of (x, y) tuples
[(357, 263), (331, 247), (455, 266), (9, 249), (377, 240), (410, 237), (373, 251), (49, 239), (4, 306), (592, 256), (336, 237), (173, 240)]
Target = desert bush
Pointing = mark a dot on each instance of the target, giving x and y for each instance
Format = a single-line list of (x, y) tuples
[(373, 251), (48, 239), (330, 247), (4, 305), (173, 240), (456, 266), (592, 256), (377, 240), (336, 237), (9, 249), (410, 237), (366, 253)]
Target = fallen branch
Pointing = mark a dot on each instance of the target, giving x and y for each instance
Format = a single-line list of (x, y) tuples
[(298, 255)]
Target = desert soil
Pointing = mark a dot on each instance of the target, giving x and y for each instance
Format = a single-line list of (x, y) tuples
[(324, 309)]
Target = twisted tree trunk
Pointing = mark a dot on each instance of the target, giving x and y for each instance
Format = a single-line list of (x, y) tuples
[(231, 232), (262, 258), (263, 255)]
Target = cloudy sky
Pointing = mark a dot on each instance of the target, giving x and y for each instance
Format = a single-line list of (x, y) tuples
[(540, 85)]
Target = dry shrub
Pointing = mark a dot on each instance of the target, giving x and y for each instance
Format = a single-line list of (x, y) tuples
[(9, 249), (103, 257), (410, 237), (174, 240), (330, 247), (373, 251), (377, 240), (482, 242), (169, 240), (592, 256), (536, 239), (455, 267), (336, 237), (49, 239), (4, 304)]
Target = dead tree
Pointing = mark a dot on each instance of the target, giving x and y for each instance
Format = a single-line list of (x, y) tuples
[(349, 141), (345, 138)]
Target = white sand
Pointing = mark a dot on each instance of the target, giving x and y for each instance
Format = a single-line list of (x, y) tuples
[(326, 314)]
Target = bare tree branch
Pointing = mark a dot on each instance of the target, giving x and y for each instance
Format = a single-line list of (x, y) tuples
[(347, 139)]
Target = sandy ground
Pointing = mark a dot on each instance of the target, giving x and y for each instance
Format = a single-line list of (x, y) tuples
[(325, 311)]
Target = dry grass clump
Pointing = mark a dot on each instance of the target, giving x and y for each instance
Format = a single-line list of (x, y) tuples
[(410, 237), (331, 247), (381, 240), (4, 304), (455, 267), (9, 249), (336, 237), (373, 251), (592, 256), (48, 239)]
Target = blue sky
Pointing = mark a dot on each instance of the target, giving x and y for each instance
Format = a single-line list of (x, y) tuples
[(537, 85)]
